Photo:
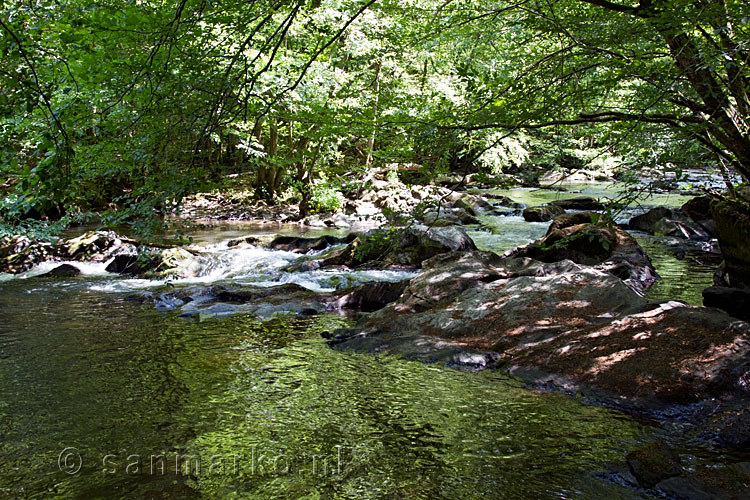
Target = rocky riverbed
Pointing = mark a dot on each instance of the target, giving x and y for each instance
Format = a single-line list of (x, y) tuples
[(567, 312)]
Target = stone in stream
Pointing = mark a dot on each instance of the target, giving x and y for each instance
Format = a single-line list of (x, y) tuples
[(573, 323), (653, 463), (609, 248), (408, 247), (662, 221), (542, 213), (371, 296), (646, 222), (124, 264), (733, 231), (734, 301), (94, 245), (474, 205), (299, 244), (19, 253), (579, 203), (62, 271)]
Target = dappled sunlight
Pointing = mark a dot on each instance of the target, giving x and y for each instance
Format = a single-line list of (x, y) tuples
[(603, 363)]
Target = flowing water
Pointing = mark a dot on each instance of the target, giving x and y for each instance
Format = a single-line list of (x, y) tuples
[(101, 397)]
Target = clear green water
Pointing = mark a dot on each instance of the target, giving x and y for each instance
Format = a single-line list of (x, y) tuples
[(267, 410)]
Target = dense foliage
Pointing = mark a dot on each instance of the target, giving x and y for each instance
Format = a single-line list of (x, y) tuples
[(125, 107)]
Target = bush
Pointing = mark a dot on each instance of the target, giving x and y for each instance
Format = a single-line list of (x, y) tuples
[(326, 198)]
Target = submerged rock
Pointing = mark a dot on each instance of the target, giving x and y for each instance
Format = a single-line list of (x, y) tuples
[(653, 463)]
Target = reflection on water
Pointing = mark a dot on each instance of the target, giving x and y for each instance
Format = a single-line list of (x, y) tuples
[(266, 410)]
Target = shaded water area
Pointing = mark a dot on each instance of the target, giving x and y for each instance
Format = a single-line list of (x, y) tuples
[(266, 410), (150, 405)]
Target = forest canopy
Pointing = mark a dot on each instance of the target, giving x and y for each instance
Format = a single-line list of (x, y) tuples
[(126, 107)]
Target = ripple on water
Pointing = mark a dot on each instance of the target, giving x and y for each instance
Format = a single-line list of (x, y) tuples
[(116, 378)]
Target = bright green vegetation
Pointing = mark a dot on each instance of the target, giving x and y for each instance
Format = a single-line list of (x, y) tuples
[(124, 108)]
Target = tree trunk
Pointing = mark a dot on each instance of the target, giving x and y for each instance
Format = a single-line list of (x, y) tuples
[(371, 140)]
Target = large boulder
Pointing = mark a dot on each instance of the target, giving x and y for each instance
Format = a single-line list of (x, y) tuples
[(732, 220), (582, 324), (574, 237), (18, 253), (579, 203), (646, 222), (734, 301), (94, 245), (298, 244), (542, 213), (698, 208), (407, 247)]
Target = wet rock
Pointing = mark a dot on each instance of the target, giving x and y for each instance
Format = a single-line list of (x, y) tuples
[(313, 221), (447, 217), (609, 248), (19, 254), (734, 301), (686, 488), (562, 318), (62, 271), (542, 213), (445, 276), (579, 203), (124, 264), (646, 222), (733, 231), (684, 228), (503, 201), (94, 245), (729, 482), (653, 463), (404, 247), (298, 244), (371, 296), (177, 262), (474, 205), (731, 425), (698, 208)]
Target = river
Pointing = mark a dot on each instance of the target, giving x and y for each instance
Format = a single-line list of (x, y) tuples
[(103, 397)]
